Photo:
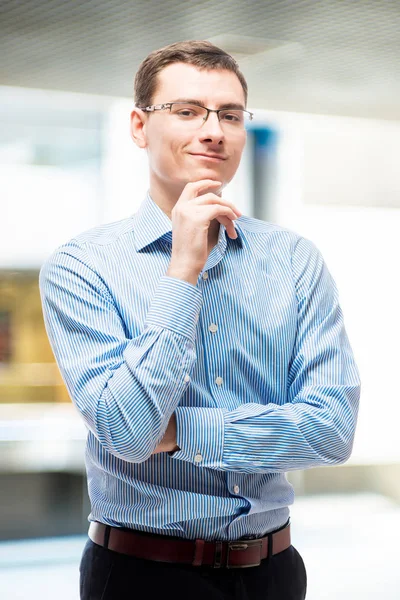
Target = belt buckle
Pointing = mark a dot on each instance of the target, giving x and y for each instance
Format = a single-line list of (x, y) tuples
[(244, 546)]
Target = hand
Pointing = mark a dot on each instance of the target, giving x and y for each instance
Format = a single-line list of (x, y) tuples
[(168, 443), (191, 219)]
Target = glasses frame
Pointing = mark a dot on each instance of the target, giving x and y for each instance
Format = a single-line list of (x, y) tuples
[(168, 105)]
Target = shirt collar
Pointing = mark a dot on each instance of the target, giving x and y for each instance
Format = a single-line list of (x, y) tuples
[(152, 224)]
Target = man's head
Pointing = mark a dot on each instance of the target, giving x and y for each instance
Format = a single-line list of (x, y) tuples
[(185, 145), (200, 54)]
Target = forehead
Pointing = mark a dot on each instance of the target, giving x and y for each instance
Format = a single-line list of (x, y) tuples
[(212, 86)]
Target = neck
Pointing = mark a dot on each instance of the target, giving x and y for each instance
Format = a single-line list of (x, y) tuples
[(165, 197)]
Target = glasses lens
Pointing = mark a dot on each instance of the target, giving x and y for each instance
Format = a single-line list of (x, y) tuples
[(234, 118), (190, 113)]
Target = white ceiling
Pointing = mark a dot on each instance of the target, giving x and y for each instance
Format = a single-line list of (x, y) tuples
[(326, 56)]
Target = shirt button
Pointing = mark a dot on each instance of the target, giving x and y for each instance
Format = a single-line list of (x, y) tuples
[(205, 275), (213, 327), (236, 489), (219, 381), (187, 378), (198, 458)]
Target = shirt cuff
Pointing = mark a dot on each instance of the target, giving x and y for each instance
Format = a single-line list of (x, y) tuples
[(176, 306), (200, 436)]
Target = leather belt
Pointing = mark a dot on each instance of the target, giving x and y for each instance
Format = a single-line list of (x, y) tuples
[(235, 554)]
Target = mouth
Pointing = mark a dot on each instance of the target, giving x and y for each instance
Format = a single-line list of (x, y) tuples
[(210, 157)]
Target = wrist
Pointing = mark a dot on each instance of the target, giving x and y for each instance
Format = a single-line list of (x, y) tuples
[(189, 275)]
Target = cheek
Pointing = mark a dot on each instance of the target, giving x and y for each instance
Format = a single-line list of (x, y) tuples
[(161, 152), (238, 154), (167, 158), (164, 148)]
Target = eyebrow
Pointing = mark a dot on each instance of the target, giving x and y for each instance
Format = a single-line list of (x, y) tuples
[(228, 105)]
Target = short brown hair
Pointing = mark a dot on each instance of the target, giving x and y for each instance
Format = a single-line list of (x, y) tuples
[(201, 54)]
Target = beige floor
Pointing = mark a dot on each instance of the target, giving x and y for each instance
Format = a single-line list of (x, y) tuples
[(349, 544)]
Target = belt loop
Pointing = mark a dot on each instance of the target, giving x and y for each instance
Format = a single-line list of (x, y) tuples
[(217, 555), (270, 544), (107, 532), (198, 553)]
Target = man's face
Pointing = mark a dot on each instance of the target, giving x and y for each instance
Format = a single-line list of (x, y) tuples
[(180, 153)]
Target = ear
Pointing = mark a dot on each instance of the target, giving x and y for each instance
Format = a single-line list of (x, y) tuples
[(138, 127)]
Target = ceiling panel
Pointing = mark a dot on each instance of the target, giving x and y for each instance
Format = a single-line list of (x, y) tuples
[(335, 57)]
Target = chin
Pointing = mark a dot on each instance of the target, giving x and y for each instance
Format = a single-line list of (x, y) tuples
[(207, 173)]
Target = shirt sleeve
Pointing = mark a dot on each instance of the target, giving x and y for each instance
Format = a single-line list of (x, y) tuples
[(126, 389), (316, 425)]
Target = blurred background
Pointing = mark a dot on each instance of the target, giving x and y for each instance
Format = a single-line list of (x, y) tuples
[(322, 158)]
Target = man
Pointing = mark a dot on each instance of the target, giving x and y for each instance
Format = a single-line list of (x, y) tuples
[(206, 353)]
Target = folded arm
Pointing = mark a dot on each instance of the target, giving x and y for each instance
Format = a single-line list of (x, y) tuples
[(126, 389), (316, 425)]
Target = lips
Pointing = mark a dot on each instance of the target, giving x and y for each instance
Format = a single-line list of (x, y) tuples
[(218, 157)]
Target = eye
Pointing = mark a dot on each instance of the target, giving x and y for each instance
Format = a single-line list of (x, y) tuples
[(232, 117), (186, 112)]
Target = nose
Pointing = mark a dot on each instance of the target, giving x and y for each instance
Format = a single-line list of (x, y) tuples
[(211, 128)]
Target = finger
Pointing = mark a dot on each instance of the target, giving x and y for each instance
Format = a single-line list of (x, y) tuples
[(194, 188), (217, 210), (229, 226), (214, 199)]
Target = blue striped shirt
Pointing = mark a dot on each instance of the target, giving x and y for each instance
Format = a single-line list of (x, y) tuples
[(254, 361)]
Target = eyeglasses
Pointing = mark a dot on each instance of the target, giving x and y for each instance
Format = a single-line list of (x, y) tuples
[(195, 115)]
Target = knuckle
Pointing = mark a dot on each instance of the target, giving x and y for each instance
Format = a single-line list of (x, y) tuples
[(210, 196)]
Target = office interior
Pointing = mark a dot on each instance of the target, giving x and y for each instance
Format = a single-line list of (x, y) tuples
[(322, 159)]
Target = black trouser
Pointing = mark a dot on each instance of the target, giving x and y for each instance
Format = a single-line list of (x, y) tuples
[(107, 575)]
